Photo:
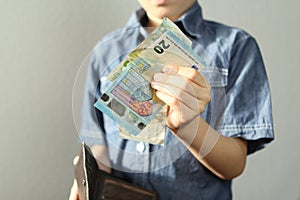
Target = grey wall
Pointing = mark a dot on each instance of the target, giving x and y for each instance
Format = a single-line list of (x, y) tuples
[(274, 172), (42, 45)]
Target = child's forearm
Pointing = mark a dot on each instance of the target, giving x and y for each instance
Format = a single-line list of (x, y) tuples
[(226, 158)]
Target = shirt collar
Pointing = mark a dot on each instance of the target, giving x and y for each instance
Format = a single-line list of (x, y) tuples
[(190, 21), (137, 19)]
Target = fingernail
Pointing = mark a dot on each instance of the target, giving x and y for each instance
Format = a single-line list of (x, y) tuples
[(157, 77), (75, 160), (167, 69)]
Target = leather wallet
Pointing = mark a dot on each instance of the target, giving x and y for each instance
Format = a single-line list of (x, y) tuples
[(96, 184)]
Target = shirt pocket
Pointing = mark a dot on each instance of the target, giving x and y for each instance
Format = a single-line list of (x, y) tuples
[(216, 77), (218, 80)]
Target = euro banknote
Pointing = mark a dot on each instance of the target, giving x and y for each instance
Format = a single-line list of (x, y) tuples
[(129, 99)]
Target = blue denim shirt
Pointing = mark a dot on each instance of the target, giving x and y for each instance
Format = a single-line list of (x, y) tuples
[(240, 107)]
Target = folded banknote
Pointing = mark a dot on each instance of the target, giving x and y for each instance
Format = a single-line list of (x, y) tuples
[(129, 99)]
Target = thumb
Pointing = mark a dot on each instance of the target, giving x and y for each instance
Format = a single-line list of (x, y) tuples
[(74, 191)]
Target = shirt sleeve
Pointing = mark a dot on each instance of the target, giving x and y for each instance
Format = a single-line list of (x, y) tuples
[(92, 131), (248, 112)]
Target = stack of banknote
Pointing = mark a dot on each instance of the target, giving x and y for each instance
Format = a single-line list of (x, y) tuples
[(130, 100)]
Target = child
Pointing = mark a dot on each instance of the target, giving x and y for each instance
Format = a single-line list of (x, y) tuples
[(217, 117)]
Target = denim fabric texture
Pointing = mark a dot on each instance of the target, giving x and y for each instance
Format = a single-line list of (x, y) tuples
[(240, 107)]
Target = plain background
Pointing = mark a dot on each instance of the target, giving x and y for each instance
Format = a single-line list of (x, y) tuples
[(42, 45)]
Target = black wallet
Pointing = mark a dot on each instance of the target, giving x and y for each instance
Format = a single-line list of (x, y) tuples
[(96, 184)]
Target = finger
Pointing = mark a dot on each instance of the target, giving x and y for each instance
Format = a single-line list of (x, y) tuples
[(103, 167), (75, 160), (184, 84), (190, 101), (183, 112), (74, 191), (189, 73)]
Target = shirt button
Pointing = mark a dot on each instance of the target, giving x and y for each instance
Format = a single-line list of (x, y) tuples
[(140, 147)]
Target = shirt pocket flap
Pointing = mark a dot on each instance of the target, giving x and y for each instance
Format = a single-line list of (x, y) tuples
[(217, 77)]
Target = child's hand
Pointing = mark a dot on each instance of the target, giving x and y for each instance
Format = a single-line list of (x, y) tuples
[(185, 91)]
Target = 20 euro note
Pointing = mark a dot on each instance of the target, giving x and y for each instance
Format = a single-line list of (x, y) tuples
[(129, 99)]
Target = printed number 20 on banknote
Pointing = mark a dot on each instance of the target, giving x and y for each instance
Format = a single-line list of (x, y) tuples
[(130, 100)]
